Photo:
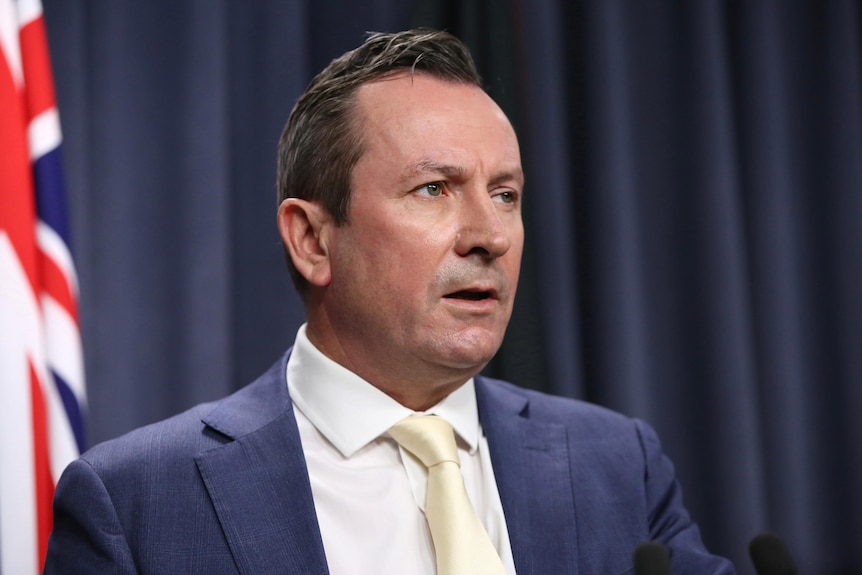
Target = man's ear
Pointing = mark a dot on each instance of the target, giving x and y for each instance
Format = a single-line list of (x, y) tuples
[(304, 228)]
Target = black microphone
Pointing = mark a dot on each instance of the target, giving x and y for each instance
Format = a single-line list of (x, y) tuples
[(770, 556), (652, 558)]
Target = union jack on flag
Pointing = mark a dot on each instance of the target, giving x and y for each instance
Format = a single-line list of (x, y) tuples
[(41, 362)]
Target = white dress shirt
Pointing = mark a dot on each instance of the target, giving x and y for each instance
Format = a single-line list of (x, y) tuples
[(369, 493)]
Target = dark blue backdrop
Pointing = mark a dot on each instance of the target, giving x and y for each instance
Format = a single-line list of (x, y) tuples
[(693, 217)]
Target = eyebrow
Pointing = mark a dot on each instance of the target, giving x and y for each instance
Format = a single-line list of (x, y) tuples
[(430, 166)]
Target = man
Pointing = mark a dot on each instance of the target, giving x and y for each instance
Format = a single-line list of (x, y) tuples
[(400, 188)]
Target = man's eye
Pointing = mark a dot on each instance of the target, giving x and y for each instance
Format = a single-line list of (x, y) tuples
[(434, 189), (506, 197)]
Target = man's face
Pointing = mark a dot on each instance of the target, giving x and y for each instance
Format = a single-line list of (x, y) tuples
[(425, 270)]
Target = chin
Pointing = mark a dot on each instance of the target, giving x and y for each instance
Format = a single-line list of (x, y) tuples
[(468, 354)]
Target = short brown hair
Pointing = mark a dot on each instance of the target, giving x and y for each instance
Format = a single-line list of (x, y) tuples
[(321, 142)]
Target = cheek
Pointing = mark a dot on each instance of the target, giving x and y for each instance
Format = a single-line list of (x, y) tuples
[(383, 265), (410, 252), (395, 253)]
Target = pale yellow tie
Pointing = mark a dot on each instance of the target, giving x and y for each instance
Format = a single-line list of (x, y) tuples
[(461, 544)]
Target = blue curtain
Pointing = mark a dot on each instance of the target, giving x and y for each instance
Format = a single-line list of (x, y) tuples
[(693, 216)]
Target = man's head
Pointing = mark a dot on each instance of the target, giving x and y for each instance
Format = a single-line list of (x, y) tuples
[(322, 139), (411, 268)]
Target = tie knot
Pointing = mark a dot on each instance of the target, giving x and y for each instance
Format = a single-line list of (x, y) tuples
[(428, 437)]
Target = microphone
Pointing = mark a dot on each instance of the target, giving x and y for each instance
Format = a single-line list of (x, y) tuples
[(770, 556), (651, 558)]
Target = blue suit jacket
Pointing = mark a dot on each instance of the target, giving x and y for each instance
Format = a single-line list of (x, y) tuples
[(223, 488)]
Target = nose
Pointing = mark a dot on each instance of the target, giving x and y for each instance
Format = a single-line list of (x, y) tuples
[(481, 229)]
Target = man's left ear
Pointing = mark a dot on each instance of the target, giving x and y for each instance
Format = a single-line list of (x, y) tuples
[(304, 227)]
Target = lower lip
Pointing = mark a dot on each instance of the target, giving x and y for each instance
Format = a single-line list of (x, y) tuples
[(473, 305)]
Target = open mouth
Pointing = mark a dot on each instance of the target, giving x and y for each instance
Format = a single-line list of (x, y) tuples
[(469, 295)]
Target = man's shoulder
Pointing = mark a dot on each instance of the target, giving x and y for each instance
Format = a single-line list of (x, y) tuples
[(207, 425), (180, 432), (553, 408)]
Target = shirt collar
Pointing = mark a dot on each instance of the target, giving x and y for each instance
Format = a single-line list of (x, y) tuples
[(351, 413)]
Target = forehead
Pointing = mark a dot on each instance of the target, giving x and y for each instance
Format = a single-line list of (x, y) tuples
[(416, 117)]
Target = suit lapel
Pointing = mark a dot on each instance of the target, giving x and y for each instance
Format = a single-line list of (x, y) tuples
[(266, 510), (531, 466), (263, 501)]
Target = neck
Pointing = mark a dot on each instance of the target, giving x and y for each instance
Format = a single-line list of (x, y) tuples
[(415, 388), (422, 401)]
